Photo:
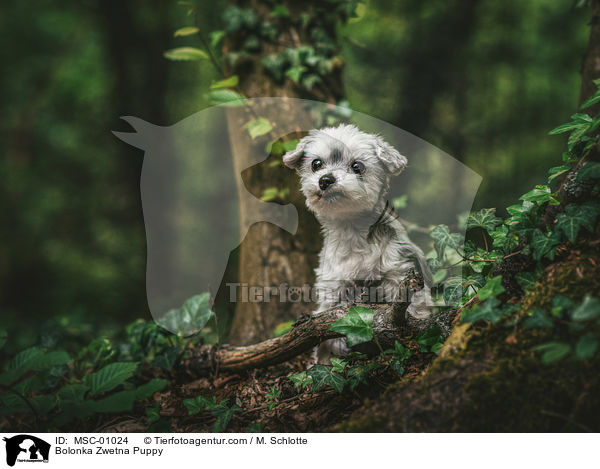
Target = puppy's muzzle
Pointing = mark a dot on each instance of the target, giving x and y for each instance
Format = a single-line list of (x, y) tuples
[(326, 181)]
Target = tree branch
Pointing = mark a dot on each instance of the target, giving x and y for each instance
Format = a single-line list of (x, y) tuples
[(390, 323)]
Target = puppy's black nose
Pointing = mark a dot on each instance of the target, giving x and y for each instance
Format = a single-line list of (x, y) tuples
[(326, 181)]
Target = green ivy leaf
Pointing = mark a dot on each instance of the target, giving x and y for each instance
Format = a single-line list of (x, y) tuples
[(429, 338), (538, 319), (487, 311), (484, 218), (544, 244), (590, 170), (187, 31), (355, 326), (526, 280), (258, 127), (300, 379), (338, 365), (442, 238), (229, 82), (190, 318), (295, 73), (337, 382), (586, 346), (553, 351), (322, 375), (167, 359), (274, 64), (400, 352), (224, 415), (226, 97), (540, 194), (199, 403), (492, 288), (453, 290), (186, 54), (109, 377), (588, 310), (280, 10), (557, 171), (574, 217)]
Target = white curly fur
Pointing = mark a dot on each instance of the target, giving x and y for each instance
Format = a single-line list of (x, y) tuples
[(363, 241)]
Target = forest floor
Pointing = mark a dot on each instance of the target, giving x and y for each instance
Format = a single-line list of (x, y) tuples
[(295, 410)]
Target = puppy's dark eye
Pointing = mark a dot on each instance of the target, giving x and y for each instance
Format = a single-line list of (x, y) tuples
[(316, 165), (358, 167)]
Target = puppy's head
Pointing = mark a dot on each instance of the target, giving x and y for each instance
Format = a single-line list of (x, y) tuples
[(344, 171)]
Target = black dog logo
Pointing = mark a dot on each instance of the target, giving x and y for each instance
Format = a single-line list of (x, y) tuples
[(27, 447)]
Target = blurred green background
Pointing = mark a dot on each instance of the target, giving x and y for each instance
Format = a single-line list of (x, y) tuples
[(482, 80)]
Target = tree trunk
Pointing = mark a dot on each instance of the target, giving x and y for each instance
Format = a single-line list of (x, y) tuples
[(269, 256), (590, 70)]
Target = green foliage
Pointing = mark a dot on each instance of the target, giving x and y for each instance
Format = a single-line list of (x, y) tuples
[(492, 288), (355, 326), (588, 310), (576, 216), (187, 31), (590, 170), (324, 375), (274, 193), (104, 376), (258, 127), (190, 318), (431, 340), (586, 346), (484, 218), (255, 427), (402, 354), (553, 351), (226, 97), (273, 397), (34, 359), (442, 238), (283, 328), (186, 54), (109, 377), (229, 82), (301, 380), (220, 410)]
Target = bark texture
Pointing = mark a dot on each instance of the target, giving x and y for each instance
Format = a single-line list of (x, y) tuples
[(390, 323), (269, 256)]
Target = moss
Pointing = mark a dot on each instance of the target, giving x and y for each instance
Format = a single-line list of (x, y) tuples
[(575, 274), (487, 378)]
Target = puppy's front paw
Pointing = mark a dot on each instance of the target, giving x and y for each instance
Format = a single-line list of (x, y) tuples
[(328, 349)]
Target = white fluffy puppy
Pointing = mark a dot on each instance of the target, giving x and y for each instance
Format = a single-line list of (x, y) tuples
[(345, 175)]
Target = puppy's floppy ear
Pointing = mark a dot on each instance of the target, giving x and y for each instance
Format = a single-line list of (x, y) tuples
[(293, 159), (391, 158)]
